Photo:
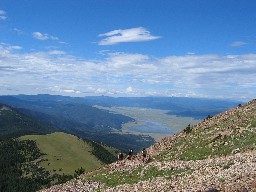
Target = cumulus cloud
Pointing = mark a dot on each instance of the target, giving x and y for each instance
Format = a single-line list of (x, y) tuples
[(40, 36), (70, 91), (127, 35), (43, 37), (238, 44), (122, 74), (2, 15), (129, 89)]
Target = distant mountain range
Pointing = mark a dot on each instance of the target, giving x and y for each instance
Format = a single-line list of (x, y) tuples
[(197, 108)]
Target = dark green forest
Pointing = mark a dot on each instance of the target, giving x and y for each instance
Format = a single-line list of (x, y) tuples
[(15, 124), (21, 170), (101, 153)]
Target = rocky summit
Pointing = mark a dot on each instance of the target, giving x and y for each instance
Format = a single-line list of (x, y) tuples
[(217, 154)]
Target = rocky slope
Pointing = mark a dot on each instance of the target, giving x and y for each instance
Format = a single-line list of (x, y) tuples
[(217, 154)]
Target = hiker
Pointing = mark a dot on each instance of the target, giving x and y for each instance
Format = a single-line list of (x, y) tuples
[(129, 156), (144, 154), (120, 156)]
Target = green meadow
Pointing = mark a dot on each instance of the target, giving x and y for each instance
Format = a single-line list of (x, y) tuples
[(64, 153)]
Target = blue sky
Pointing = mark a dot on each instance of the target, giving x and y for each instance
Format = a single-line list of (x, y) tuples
[(192, 48)]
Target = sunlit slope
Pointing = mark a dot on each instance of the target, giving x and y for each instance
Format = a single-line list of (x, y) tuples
[(218, 152), (65, 153), (223, 134)]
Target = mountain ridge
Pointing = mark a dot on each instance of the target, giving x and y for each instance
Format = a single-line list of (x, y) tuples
[(13, 123)]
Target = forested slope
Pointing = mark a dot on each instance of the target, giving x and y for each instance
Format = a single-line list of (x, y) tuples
[(14, 123)]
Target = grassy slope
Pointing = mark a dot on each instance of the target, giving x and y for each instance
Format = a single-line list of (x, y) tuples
[(65, 152), (218, 136)]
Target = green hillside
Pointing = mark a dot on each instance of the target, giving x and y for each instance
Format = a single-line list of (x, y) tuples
[(226, 133), (65, 153)]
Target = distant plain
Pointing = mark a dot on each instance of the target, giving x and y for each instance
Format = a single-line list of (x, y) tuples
[(154, 122)]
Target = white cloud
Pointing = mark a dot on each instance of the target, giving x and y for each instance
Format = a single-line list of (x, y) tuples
[(127, 35), (56, 52), (17, 30), (122, 74), (3, 15), (16, 47), (129, 89), (238, 44), (63, 89), (45, 36), (40, 36), (63, 42), (70, 91), (54, 38), (7, 48)]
